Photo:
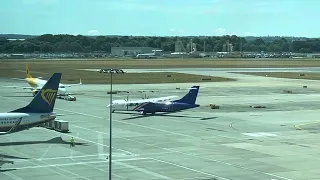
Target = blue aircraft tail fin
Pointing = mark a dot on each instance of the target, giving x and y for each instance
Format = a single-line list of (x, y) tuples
[(44, 100), (191, 97)]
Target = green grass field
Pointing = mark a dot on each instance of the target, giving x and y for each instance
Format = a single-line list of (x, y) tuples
[(44, 68), (290, 75), (71, 74)]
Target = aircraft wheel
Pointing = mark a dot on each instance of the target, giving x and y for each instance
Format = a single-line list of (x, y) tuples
[(153, 113)]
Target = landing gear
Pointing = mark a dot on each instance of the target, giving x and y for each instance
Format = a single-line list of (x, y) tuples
[(145, 113)]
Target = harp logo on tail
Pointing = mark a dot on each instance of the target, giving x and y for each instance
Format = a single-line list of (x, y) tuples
[(48, 95)]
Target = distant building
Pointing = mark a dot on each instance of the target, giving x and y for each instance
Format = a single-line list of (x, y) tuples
[(131, 51), (227, 47), (17, 56), (16, 39)]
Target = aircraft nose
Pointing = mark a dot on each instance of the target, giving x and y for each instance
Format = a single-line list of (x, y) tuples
[(62, 90)]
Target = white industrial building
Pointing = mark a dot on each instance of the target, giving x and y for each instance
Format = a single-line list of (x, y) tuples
[(131, 51)]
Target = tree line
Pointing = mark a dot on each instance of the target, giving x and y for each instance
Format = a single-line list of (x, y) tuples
[(49, 43)]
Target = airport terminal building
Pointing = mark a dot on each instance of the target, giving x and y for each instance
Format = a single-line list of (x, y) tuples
[(131, 51)]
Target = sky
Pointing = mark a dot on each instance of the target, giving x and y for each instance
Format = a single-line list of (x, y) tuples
[(161, 17)]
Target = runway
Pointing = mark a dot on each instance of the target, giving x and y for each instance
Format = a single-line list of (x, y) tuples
[(235, 142)]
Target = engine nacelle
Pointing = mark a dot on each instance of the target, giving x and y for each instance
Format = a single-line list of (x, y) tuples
[(34, 92)]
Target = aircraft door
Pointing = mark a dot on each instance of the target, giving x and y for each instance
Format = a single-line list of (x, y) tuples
[(171, 107)]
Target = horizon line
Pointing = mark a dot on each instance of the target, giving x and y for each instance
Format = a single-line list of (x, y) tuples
[(155, 35)]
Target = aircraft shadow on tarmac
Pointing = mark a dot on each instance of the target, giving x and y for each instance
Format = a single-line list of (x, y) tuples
[(57, 140), (4, 161), (19, 96), (5, 170), (10, 157), (137, 116)]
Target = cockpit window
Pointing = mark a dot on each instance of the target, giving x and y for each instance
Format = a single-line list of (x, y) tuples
[(62, 87)]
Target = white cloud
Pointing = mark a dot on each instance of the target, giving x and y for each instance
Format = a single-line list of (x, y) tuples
[(249, 34), (180, 32), (93, 32), (220, 31)]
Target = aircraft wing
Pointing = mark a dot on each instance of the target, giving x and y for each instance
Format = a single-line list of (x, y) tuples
[(14, 127), (18, 79), (69, 85), (20, 87)]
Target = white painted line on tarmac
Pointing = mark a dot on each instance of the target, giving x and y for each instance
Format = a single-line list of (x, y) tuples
[(45, 152), (259, 134), (75, 157), (190, 169), (199, 177), (13, 176), (100, 148), (77, 163), (144, 171)]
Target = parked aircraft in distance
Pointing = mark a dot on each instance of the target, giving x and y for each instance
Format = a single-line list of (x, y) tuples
[(124, 105), (38, 111), (109, 70), (37, 83)]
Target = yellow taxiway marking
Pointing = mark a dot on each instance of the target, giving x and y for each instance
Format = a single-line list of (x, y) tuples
[(298, 126)]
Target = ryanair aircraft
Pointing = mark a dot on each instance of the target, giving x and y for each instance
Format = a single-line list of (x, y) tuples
[(38, 111)]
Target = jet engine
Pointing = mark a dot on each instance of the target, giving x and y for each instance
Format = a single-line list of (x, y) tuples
[(34, 92)]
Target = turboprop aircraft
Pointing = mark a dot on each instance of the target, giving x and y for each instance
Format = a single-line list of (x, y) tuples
[(37, 83), (129, 105), (38, 111), (148, 106), (186, 102)]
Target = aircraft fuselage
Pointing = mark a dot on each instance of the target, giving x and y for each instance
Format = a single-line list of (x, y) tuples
[(8, 120), (167, 107), (37, 83)]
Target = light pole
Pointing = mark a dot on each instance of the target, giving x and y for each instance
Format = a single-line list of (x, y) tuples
[(110, 135)]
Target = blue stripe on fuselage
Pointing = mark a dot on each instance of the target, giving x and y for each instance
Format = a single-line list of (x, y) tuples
[(161, 107)]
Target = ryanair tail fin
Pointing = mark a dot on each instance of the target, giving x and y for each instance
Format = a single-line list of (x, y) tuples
[(191, 97), (28, 75), (44, 100)]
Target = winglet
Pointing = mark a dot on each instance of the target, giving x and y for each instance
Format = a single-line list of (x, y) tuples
[(28, 75)]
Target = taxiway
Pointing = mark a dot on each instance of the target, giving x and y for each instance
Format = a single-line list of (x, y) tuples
[(279, 142)]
